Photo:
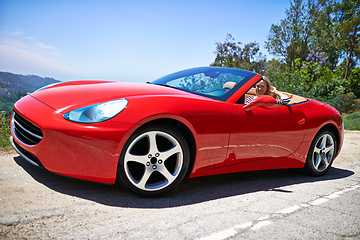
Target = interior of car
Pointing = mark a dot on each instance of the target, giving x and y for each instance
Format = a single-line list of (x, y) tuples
[(294, 99)]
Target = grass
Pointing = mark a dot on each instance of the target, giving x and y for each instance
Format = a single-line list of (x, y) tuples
[(4, 132), (352, 121)]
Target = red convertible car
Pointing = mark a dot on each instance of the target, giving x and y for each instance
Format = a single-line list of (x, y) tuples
[(192, 123)]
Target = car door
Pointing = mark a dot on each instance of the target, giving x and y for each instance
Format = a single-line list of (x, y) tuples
[(264, 133)]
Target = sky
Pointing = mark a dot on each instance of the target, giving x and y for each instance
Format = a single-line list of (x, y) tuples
[(129, 41)]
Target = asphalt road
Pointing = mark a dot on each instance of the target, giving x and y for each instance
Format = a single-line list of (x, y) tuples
[(280, 204)]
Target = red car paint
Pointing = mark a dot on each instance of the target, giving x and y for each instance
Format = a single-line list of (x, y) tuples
[(227, 138)]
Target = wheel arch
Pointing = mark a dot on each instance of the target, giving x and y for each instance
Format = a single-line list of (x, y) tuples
[(333, 129), (318, 162), (184, 130)]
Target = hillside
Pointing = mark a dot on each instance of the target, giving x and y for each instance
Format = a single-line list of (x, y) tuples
[(15, 83), (15, 86)]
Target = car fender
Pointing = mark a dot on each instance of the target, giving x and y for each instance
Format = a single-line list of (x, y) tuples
[(151, 118), (210, 126), (320, 115)]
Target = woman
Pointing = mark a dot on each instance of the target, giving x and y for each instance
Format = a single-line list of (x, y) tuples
[(263, 87)]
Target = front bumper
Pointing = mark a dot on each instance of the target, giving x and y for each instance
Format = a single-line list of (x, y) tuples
[(86, 151), (24, 154)]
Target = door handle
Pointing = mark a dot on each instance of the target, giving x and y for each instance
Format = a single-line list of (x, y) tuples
[(301, 121)]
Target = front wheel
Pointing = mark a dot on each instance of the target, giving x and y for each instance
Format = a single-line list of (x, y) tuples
[(154, 160), (321, 153)]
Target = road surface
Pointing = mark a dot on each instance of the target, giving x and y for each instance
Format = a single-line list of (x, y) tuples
[(280, 204)]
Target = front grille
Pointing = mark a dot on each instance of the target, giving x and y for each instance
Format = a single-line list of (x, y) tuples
[(25, 131), (26, 155)]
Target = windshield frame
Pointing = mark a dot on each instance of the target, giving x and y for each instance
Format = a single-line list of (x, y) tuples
[(247, 75)]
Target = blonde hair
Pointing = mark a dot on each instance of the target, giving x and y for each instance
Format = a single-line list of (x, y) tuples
[(268, 84)]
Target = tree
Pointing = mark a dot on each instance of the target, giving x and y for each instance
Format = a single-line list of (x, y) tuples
[(233, 54), (321, 25), (289, 40), (322, 30), (347, 17)]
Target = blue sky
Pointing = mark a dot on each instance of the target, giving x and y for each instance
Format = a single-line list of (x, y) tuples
[(125, 40)]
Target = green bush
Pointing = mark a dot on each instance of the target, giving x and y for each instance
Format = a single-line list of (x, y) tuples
[(343, 102), (318, 81), (352, 121), (4, 132)]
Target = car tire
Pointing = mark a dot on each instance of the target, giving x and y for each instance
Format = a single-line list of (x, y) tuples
[(321, 153), (154, 160)]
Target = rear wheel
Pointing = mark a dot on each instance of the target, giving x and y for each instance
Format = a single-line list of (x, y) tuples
[(321, 153), (154, 160)]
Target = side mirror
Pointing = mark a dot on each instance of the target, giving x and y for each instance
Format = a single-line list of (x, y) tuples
[(263, 101)]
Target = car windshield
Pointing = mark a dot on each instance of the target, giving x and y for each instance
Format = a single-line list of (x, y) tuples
[(214, 82)]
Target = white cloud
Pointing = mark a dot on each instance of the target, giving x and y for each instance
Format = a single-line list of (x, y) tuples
[(24, 61), (11, 33), (44, 46), (29, 56), (39, 46)]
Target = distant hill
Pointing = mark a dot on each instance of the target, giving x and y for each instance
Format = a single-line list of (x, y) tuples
[(15, 83)]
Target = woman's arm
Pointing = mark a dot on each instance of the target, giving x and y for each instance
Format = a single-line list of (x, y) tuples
[(280, 97)]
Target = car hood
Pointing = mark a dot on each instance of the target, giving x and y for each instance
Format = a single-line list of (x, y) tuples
[(71, 95)]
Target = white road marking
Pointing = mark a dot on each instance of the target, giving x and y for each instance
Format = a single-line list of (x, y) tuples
[(319, 201), (221, 235), (289, 210), (260, 224), (333, 196), (262, 221), (244, 226), (264, 218)]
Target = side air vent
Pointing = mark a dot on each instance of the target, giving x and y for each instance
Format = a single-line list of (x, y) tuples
[(25, 131)]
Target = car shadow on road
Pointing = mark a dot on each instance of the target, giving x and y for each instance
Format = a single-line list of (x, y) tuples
[(190, 191)]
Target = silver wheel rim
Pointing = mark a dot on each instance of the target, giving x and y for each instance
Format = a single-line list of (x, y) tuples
[(323, 153), (153, 160)]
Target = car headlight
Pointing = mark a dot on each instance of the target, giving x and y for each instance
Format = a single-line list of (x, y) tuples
[(98, 112)]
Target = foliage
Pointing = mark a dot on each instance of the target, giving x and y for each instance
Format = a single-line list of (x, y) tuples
[(7, 102), (289, 40), (315, 80), (352, 121), (325, 26), (314, 77), (322, 35), (318, 48), (233, 54), (347, 25), (4, 132), (13, 83)]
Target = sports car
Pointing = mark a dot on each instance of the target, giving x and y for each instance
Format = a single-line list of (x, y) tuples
[(192, 123)]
